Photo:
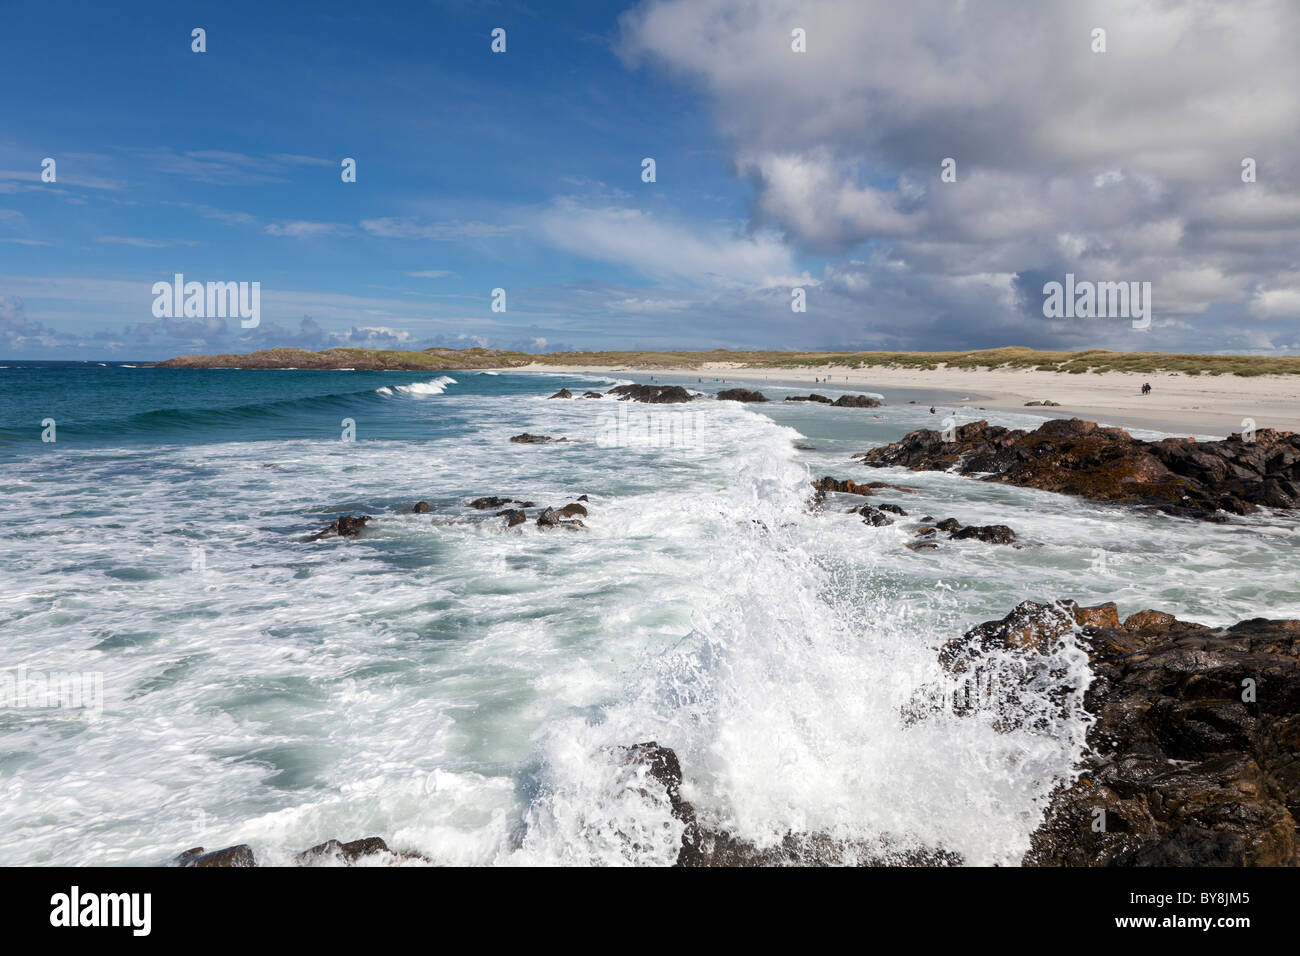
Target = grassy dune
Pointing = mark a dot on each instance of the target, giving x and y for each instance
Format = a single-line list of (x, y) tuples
[(1074, 363)]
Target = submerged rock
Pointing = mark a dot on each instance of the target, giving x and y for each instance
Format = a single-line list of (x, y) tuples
[(820, 399), (740, 395), (327, 852), (874, 516), (483, 504), (347, 526), (527, 439), (654, 394), (992, 533), (592, 395), (562, 393), (421, 507), (550, 518), (1178, 476)]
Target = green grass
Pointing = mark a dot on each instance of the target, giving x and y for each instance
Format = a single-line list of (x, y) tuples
[(1074, 363)]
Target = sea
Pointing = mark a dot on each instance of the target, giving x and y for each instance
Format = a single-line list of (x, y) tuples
[(184, 666)]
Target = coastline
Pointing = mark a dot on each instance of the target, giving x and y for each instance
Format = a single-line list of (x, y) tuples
[(1178, 403)]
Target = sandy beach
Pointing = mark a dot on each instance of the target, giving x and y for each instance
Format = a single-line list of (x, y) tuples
[(1178, 403)]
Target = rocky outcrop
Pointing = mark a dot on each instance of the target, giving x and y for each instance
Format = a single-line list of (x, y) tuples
[(857, 401), (874, 516), (740, 395), (1178, 476), (331, 851), (1194, 756), (562, 393), (421, 507), (592, 395), (527, 439), (992, 533), (819, 399), (513, 517), (348, 526), (1046, 403), (551, 518), (653, 394)]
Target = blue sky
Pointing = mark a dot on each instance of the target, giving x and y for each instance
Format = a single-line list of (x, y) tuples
[(522, 170)]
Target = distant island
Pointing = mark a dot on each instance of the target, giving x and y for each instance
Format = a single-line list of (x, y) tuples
[(1011, 358)]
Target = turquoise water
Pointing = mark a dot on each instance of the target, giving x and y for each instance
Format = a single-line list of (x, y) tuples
[(458, 687)]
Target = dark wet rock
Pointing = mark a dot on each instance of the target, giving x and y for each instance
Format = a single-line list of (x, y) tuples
[(1045, 404), (704, 846), (893, 509), (513, 517), (1194, 755), (874, 516), (329, 851), (654, 394), (333, 851), (849, 487), (562, 393), (992, 533), (928, 518), (573, 510), (922, 545), (592, 395), (820, 399), (857, 401), (581, 498), (527, 439), (925, 533), (421, 507), (740, 395), (232, 856), (951, 525), (482, 504), (348, 526), (1178, 476), (550, 518)]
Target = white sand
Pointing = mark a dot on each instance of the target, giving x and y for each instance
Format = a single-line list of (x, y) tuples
[(1178, 403)]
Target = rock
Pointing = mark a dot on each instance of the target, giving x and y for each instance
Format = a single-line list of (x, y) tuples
[(231, 856), (482, 504), (874, 516), (527, 439), (703, 846), (740, 395), (922, 545), (847, 486), (893, 509), (421, 507), (592, 395), (570, 510), (1044, 403), (925, 533), (562, 393), (1178, 476), (513, 517), (582, 498), (550, 518), (992, 533), (820, 399), (951, 525), (857, 401), (654, 394), (329, 851), (347, 526), (333, 850), (1194, 753)]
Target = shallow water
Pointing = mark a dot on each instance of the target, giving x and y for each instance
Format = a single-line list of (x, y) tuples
[(461, 689)]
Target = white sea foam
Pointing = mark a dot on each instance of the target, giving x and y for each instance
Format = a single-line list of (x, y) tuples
[(461, 689)]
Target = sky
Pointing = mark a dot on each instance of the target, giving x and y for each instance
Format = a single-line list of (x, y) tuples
[(775, 170)]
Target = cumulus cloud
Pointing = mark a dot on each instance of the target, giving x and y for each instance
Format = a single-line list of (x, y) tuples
[(1123, 165)]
